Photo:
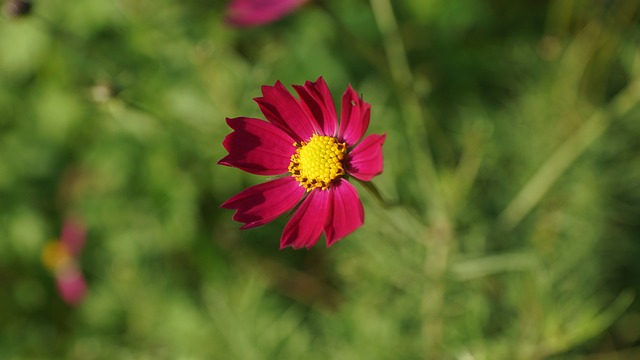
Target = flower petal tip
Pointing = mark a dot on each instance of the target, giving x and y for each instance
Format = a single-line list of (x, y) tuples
[(366, 160), (249, 13)]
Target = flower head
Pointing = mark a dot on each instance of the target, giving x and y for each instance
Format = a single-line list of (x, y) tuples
[(303, 140), (60, 256), (246, 13)]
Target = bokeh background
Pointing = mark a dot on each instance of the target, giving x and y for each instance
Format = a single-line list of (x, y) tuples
[(512, 178)]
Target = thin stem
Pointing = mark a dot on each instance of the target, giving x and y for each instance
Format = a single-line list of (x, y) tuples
[(375, 192), (412, 111), (439, 238), (356, 43), (394, 47)]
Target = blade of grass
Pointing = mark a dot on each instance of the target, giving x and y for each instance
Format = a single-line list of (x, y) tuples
[(566, 155)]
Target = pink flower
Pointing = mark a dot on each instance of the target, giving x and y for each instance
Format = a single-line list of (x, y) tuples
[(61, 257), (303, 140), (246, 13), (72, 236), (71, 285)]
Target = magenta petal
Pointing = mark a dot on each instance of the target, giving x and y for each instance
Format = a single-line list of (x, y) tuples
[(245, 13), (365, 160), (316, 100), (354, 117), (305, 227), (71, 286), (346, 213), (257, 147), (73, 236), (262, 203), (284, 111)]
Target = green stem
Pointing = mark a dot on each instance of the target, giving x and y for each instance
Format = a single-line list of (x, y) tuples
[(439, 238), (412, 112), (375, 192), (354, 41)]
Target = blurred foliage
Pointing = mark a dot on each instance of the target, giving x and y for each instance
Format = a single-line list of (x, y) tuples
[(512, 147)]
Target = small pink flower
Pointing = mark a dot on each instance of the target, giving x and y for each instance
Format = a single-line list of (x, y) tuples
[(61, 257), (303, 140), (246, 13)]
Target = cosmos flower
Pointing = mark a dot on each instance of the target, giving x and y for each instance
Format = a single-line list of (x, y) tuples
[(61, 255), (247, 13), (302, 141)]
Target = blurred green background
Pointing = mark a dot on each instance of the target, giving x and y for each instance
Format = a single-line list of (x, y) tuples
[(512, 148)]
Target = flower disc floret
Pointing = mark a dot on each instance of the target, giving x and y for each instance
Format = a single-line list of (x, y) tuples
[(317, 162)]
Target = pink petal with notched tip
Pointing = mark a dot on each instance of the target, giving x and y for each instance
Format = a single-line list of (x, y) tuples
[(71, 285), (257, 147), (263, 203), (365, 161), (346, 213), (316, 100), (284, 111), (72, 236), (354, 117), (245, 13), (306, 225)]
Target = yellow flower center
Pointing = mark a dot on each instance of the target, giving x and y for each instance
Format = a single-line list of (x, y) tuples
[(55, 256), (317, 162)]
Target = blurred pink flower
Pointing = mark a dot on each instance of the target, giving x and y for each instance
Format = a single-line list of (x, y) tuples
[(71, 285), (302, 139), (73, 235), (61, 258), (247, 13)]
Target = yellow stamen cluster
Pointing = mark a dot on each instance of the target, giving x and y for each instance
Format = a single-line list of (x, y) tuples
[(317, 162)]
